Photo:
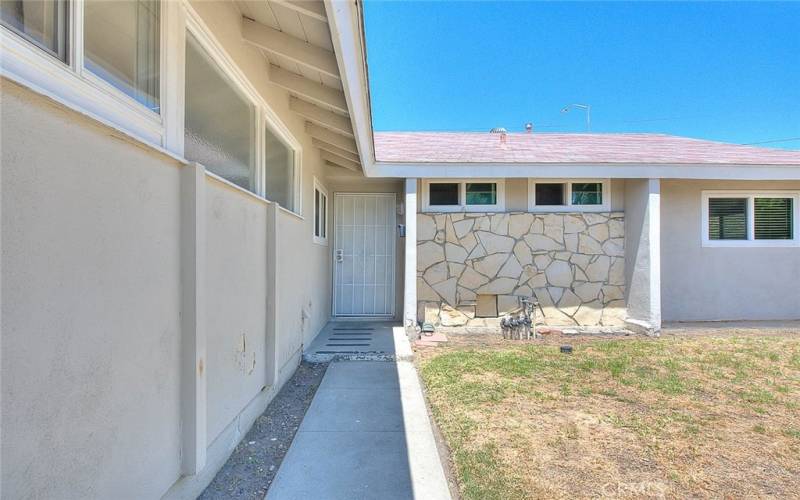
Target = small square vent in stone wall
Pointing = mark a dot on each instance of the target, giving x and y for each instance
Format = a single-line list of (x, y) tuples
[(486, 306)]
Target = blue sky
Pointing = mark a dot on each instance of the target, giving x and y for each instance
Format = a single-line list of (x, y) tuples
[(727, 71)]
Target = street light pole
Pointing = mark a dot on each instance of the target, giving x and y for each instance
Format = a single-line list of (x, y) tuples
[(587, 107)]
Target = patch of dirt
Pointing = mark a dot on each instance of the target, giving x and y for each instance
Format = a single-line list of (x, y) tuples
[(461, 338), (253, 464)]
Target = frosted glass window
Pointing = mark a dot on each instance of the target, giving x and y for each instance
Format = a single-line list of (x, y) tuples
[(278, 171), (43, 22), (219, 121), (122, 46)]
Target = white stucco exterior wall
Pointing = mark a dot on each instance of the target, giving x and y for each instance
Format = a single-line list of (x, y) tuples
[(410, 273), (93, 289), (91, 308), (705, 283), (643, 254)]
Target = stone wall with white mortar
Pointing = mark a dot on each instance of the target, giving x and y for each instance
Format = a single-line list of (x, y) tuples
[(572, 263)]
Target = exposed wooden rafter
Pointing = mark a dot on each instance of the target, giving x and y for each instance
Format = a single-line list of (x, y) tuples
[(325, 135), (338, 160), (328, 119), (311, 8), (335, 150), (292, 48), (308, 89), (332, 164)]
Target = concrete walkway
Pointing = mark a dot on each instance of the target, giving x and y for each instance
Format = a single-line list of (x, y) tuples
[(366, 436)]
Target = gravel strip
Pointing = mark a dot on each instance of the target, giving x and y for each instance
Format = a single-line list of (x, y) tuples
[(251, 468)]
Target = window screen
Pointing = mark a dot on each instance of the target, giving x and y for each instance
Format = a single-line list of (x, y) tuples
[(481, 193), (587, 193), (219, 123), (727, 218), (548, 193), (43, 22), (773, 218), (445, 193), (122, 46)]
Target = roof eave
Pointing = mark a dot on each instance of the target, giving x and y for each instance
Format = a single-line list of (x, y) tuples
[(730, 171), (345, 19)]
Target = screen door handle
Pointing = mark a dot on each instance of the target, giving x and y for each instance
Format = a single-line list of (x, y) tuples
[(339, 255)]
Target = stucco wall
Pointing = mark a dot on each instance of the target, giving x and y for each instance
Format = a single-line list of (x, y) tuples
[(91, 298), (90, 308), (642, 275), (704, 283), (236, 265), (224, 20)]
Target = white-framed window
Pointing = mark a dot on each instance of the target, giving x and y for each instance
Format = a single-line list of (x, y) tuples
[(750, 218), (220, 119), (103, 58), (122, 47), (243, 123), (569, 195), (462, 195), (320, 213), (124, 63)]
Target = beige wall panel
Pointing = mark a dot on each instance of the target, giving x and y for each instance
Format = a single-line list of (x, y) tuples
[(703, 283), (90, 307), (236, 270)]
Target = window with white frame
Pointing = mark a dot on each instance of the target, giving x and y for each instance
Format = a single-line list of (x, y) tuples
[(478, 195), (121, 44), (103, 57), (219, 121), (279, 175), (107, 59), (44, 23), (738, 219), (562, 195), (320, 213)]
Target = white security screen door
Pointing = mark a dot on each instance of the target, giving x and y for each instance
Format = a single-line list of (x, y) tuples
[(363, 254)]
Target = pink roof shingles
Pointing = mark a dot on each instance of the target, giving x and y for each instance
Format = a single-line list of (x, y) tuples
[(476, 147)]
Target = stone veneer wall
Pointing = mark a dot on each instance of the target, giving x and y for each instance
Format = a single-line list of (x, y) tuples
[(572, 263)]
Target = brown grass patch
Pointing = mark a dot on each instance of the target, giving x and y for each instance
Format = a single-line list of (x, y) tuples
[(670, 417)]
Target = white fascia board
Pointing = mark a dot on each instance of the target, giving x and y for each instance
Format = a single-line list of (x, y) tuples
[(344, 20), (566, 170)]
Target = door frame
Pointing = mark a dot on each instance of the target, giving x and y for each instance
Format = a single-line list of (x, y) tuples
[(334, 272)]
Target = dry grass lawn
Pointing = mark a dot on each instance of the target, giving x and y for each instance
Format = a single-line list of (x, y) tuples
[(701, 416)]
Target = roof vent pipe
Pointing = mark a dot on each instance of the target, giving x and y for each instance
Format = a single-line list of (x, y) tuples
[(501, 131), (529, 127)]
